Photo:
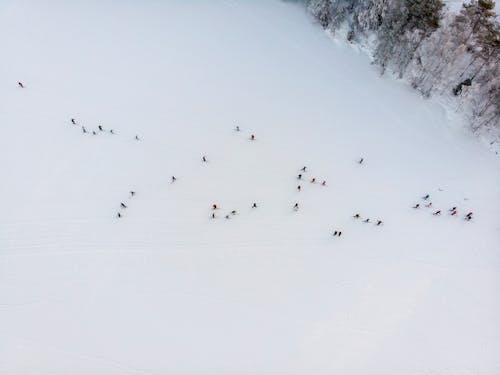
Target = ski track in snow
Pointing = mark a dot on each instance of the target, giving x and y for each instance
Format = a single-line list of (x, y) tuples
[(165, 288)]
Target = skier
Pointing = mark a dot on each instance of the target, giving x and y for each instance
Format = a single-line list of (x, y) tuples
[(252, 137), (452, 209), (237, 128), (233, 212), (227, 217), (213, 215), (379, 222), (416, 206), (298, 188), (299, 177), (111, 131), (427, 196), (303, 169), (323, 183), (20, 85), (204, 159), (356, 216), (436, 213), (366, 221), (214, 206), (335, 233), (83, 129), (73, 121), (173, 179), (254, 205), (137, 138), (429, 205), (469, 215), (93, 132), (360, 161), (119, 215), (132, 193), (123, 205), (100, 127), (340, 234), (313, 180), (296, 207), (453, 213)]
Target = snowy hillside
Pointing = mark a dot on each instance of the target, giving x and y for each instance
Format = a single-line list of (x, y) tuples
[(166, 288)]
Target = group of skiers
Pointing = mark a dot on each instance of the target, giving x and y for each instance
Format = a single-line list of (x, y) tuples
[(123, 206), (252, 136), (231, 213), (312, 181), (453, 211), (367, 220), (100, 129)]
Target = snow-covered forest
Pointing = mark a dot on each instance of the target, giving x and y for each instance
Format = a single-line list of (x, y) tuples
[(450, 54)]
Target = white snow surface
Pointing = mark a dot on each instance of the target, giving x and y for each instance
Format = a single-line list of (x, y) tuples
[(166, 289)]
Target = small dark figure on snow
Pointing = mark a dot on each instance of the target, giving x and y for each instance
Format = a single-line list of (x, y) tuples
[(237, 128), (296, 206), (437, 213), (20, 84), (214, 206), (416, 206), (379, 222), (119, 215), (204, 159), (360, 161), (233, 212), (425, 197), (340, 234), (323, 183), (132, 193), (123, 205), (453, 213), (94, 133), (83, 129), (254, 205), (73, 121), (303, 169), (252, 137), (469, 215), (298, 188), (213, 215), (100, 127), (366, 221), (313, 180), (173, 179), (299, 177), (452, 209), (227, 216), (111, 131), (429, 204), (335, 233), (356, 216), (137, 138)]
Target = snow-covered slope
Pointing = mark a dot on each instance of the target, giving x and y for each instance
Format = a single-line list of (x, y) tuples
[(166, 289)]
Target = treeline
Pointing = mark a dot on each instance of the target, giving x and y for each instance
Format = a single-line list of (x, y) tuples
[(455, 55)]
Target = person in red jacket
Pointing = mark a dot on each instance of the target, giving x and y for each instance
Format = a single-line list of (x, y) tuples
[(323, 183)]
